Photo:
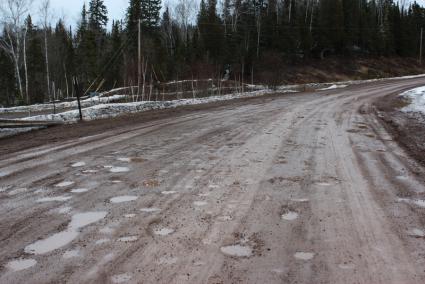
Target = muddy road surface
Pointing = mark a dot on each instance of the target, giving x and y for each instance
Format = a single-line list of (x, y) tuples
[(298, 188)]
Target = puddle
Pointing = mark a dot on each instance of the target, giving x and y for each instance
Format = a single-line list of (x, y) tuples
[(304, 255), (79, 190), (346, 266), (418, 202), (169, 192), (64, 184), (64, 210), (102, 241), (290, 216), (128, 239), (54, 198), (21, 264), (63, 238), (106, 230), (150, 209), (200, 203), (89, 171), (224, 218), (78, 164), (17, 191), (417, 233), (124, 198), (71, 254), (300, 200), (121, 278), (167, 260), (119, 169), (323, 184), (163, 231), (237, 250)]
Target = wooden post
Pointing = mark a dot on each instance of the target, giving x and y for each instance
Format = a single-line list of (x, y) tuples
[(420, 46), (78, 93), (139, 61)]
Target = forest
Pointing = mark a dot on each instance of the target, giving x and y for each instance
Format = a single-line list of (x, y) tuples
[(40, 61)]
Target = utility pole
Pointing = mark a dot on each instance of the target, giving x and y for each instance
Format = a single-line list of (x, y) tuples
[(420, 46), (139, 64)]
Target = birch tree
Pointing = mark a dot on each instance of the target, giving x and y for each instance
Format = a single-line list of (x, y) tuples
[(12, 19), (45, 14)]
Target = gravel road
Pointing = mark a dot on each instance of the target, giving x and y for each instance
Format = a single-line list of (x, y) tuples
[(294, 188)]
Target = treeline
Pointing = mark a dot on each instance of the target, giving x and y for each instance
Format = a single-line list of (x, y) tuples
[(39, 63)]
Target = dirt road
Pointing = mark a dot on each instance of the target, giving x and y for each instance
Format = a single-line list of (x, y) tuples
[(301, 188)]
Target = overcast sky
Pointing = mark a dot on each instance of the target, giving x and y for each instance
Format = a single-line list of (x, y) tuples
[(70, 9)]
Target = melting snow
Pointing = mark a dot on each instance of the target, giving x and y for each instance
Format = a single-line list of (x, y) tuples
[(124, 198), (418, 233), (416, 98), (21, 264), (124, 159), (61, 239)]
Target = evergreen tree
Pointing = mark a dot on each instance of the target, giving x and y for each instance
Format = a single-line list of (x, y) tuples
[(98, 15), (150, 13), (35, 63)]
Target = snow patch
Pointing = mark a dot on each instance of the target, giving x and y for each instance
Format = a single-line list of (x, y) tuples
[(416, 98)]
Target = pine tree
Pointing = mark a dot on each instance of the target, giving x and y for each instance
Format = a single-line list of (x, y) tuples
[(8, 91), (150, 13), (134, 13), (98, 15), (35, 62)]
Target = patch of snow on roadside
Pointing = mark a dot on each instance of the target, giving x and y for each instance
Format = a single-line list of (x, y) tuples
[(416, 98), (334, 86)]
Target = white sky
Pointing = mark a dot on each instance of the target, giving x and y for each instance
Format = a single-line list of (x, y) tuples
[(70, 10)]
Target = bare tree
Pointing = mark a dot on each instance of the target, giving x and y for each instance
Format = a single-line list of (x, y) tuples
[(45, 14), (12, 19), (185, 12)]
